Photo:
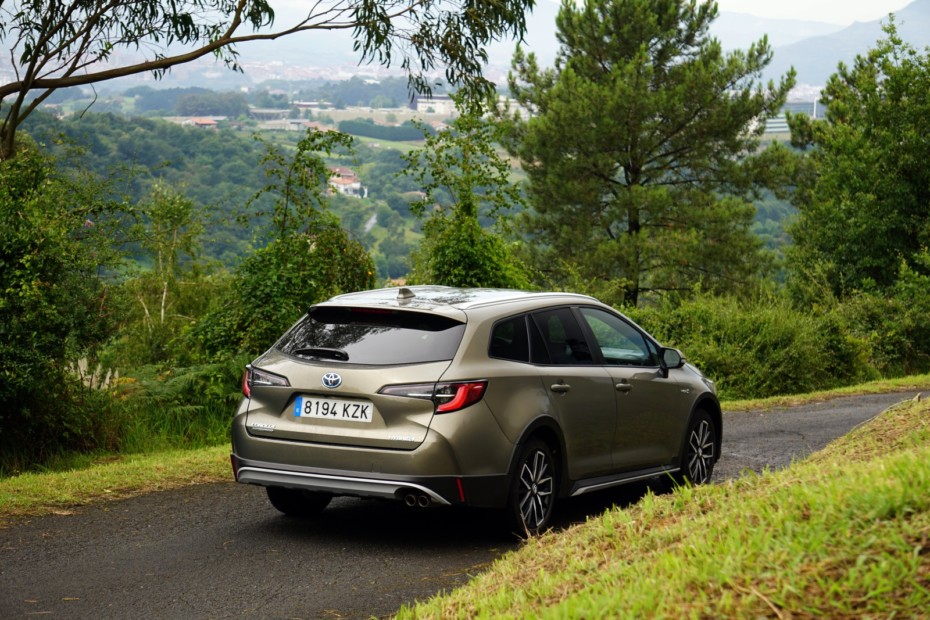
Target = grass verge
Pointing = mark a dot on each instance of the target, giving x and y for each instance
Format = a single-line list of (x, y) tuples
[(883, 386), (845, 533), (113, 477)]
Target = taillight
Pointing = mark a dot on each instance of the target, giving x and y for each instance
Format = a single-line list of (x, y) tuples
[(447, 397), (255, 376), (454, 396)]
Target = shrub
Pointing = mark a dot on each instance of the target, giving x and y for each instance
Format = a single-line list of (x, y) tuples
[(760, 349), (896, 327), (189, 407), (458, 252), (54, 306)]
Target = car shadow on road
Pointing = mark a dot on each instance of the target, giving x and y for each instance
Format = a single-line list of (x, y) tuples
[(360, 521)]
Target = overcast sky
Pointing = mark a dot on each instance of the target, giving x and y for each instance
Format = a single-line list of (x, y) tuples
[(842, 12)]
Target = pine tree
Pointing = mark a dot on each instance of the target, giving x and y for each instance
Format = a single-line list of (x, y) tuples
[(638, 146)]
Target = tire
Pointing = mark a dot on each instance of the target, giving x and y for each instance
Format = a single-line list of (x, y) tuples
[(700, 450), (533, 489), (297, 502)]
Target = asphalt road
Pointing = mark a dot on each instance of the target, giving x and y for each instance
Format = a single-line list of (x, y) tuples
[(221, 551)]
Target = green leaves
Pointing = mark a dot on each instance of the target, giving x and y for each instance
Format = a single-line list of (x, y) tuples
[(462, 162), (867, 204), (456, 251), (638, 155), (60, 44), (274, 286), (55, 307), (310, 257), (297, 181)]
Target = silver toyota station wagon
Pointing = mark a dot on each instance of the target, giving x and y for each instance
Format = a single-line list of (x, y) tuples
[(432, 395)]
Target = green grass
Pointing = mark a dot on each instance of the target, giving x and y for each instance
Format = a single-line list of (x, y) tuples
[(883, 386), (114, 477), (843, 534), (403, 147)]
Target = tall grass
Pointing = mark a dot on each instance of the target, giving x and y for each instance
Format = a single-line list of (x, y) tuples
[(155, 408), (180, 407)]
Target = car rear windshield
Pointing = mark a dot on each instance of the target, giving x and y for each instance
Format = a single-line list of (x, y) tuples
[(372, 336)]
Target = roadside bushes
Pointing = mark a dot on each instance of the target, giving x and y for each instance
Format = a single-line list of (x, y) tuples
[(768, 346), (458, 252), (895, 324), (762, 348), (54, 305), (174, 407)]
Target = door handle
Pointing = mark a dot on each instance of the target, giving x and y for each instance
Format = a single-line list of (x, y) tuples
[(560, 388), (623, 386)]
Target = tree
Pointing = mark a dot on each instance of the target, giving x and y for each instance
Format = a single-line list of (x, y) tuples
[(212, 104), (275, 285), (56, 241), (56, 44), (298, 181), (864, 205), (309, 258), (164, 298), (638, 148), (461, 160)]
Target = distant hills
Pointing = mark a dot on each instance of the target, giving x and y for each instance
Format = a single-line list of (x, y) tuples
[(813, 48), (739, 30), (816, 58)]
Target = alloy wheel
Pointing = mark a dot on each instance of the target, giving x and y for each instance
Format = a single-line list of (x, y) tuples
[(701, 452), (535, 490)]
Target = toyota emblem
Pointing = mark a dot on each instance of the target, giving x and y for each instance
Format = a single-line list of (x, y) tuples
[(332, 380)]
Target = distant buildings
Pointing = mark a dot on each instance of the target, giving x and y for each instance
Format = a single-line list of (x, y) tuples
[(779, 124), (343, 181), (437, 104), (204, 122), (209, 123)]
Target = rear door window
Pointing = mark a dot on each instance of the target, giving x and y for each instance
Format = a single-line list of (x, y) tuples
[(372, 336)]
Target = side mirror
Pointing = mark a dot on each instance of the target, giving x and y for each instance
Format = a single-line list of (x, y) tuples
[(671, 358)]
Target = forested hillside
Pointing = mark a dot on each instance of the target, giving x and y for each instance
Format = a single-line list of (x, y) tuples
[(222, 171)]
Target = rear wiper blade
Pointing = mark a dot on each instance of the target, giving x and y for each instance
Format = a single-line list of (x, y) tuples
[(323, 353)]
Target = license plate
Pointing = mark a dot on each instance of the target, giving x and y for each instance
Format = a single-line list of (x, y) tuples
[(333, 409)]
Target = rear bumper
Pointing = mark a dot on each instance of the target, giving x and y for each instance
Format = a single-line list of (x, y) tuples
[(479, 491)]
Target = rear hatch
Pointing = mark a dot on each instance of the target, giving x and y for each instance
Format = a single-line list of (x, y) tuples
[(353, 376)]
